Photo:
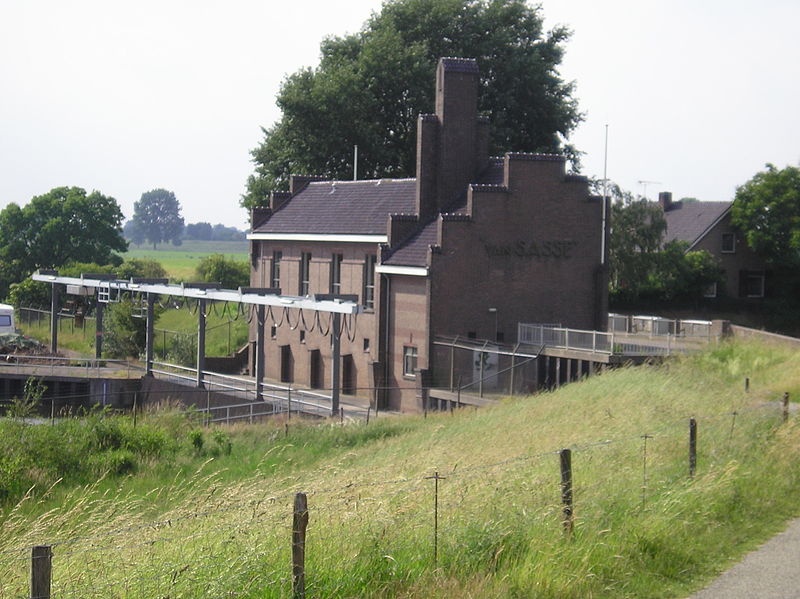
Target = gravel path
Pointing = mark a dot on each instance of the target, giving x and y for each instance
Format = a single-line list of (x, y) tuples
[(770, 572)]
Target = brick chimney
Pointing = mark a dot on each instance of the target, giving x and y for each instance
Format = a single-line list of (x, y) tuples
[(450, 144), (665, 200)]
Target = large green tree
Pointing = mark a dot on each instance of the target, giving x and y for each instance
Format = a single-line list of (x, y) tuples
[(157, 217), (64, 225), (767, 210), (370, 86)]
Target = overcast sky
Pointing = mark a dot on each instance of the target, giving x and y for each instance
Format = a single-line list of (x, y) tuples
[(124, 97)]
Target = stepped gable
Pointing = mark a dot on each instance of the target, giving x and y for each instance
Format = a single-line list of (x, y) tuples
[(414, 250), (688, 221), (343, 207)]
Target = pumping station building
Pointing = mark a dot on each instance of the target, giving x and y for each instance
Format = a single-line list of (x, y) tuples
[(468, 249)]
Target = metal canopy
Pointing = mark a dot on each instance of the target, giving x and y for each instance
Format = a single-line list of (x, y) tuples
[(109, 287), (245, 295)]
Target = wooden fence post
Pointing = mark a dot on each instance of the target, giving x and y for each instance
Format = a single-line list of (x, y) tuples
[(299, 524), (41, 568), (566, 488), (436, 478), (692, 447), (786, 407), (746, 384)]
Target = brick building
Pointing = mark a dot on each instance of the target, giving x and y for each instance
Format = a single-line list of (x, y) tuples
[(707, 226), (472, 246)]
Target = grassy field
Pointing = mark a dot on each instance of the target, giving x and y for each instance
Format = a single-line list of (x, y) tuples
[(192, 524), (180, 262)]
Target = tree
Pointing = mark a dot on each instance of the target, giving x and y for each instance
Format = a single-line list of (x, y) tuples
[(58, 227), (200, 231), (229, 273), (133, 233), (767, 210), (642, 267), (637, 233), (157, 216), (370, 86)]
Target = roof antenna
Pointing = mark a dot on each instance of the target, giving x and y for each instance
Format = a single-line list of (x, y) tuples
[(355, 162)]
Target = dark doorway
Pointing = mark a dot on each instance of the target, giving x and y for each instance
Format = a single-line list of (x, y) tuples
[(317, 375), (348, 375), (287, 364)]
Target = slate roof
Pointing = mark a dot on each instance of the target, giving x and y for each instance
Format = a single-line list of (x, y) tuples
[(343, 207), (414, 251), (688, 221)]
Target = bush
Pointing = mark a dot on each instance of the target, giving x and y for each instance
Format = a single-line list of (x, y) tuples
[(230, 273), (124, 335), (223, 441), (141, 267), (196, 440)]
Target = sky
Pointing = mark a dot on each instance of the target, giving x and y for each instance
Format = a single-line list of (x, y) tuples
[(125, 97)]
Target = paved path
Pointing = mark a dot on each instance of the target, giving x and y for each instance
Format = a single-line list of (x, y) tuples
[(770, 572)]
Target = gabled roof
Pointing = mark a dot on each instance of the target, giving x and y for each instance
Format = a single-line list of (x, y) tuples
[(690, 221), (343, 207)]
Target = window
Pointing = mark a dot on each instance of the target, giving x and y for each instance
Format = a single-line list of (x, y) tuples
[(366, 344), (305, 270), (755, 284), (409, 361), (302, 336), (5, 320), (711, 291), (275, 269), (273, 332), (728, 243), (369, 281), (336, 273)]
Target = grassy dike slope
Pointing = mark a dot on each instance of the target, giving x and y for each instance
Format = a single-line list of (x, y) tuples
[(642, 527)]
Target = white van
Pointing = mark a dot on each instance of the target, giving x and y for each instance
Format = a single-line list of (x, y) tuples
[(6, 319)]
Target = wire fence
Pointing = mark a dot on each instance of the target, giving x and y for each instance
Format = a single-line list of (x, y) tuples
[(326, 539)]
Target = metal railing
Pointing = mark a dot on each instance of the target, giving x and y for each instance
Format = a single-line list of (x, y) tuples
[(282, 398), (538, 335), (85, 367), (656, 326)]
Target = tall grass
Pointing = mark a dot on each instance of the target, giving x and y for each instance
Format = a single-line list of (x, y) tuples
[(643, 528)]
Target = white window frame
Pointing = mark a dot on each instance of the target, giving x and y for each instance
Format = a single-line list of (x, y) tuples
[(410, 361)]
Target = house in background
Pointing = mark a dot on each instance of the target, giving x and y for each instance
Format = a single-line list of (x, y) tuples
[(707, 226), (470, 247)]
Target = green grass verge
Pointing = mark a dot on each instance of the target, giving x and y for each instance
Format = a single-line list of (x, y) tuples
[(220, 525), (175, 332)]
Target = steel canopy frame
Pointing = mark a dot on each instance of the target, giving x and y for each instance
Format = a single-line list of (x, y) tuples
[(261, 298)]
